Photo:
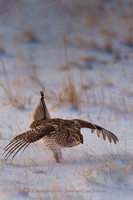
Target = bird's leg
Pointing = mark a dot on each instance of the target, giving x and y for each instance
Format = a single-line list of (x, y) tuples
[(57, 154)]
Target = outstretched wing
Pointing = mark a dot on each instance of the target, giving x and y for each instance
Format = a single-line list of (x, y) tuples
[(41, 111), (24, 139), (99, 129)]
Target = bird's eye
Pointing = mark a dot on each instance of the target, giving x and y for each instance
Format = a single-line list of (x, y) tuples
[(77, 137)]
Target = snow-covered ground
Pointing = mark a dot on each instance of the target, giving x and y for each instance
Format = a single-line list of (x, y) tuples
[(37, 41)]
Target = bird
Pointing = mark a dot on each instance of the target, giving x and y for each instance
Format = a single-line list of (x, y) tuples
[(56, 133)]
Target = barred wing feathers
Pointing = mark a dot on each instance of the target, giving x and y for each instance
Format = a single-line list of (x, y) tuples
[(23, 140), (105, 133)]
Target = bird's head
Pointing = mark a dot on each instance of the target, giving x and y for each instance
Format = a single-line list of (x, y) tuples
[(75, 138)]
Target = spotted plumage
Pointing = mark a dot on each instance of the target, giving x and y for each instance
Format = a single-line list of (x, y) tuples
[(56, 133)]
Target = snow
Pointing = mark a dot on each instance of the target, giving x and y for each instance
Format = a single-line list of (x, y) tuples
[(97, 169)]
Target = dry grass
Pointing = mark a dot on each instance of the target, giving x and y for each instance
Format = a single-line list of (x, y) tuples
[(107, 170), (89, 92), (102, 91), (14, 189), (108, 46), (95, 95), (89, 176), (49, 194), (14, 93), (30, 36), (91, 13), (71, 93), (106, 163), (118, 173), (81, 63), (83, 43), (108, 33), (117, 55), (129, 40), (35, 78), (54, 192)]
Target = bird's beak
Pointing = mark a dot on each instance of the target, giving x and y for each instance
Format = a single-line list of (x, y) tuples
[(82, 139)]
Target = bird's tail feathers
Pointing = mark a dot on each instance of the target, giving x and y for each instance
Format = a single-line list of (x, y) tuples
[(41, 111)]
